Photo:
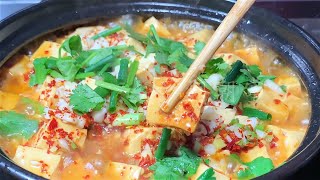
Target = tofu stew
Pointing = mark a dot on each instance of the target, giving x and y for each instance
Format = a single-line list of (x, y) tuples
[(86, 104)]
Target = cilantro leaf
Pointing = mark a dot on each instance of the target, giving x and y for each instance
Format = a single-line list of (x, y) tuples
[(231, 94), (215, 66), (84, 99), (68, 69), (182, 167), (15, 124), (255, 70), (263, 78), (40, 70), (257, 167), (72, 45), (198, 47), (136, 96)]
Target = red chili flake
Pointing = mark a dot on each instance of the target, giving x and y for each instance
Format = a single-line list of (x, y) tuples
[(154, 132), (139, 130), (122, 112), (137, 156), (276, 101), (169, 82), (187, 106), (86, 176), (167, 74), (202, 152), (112, 117), (273, 144), (260, 144), (46, 52), (55, 96), (230, 56), (52, 83), (157, 95), (146, 161), (193, 96), (53, 124), (289, 94), (126, 142), (97, 129), (44, 167), (70, 135), (62, 133), (206, 140), (239, 111)]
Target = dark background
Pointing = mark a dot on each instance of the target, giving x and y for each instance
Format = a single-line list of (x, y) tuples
[(305, 13)]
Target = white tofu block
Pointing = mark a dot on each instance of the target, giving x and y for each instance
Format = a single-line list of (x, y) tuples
[(60, 136), (36, 160), (186, 113), (47, 49)]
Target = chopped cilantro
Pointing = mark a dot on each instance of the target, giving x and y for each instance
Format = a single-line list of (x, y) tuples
[(231, 94), (136, 95), (84, 99), (68, 69), (40, 70), (215, 66), (72, 45), (15, 124), (182, 167), (257, 167)]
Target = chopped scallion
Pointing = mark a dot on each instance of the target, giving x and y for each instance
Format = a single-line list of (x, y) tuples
[(107, 32), (129, 119), (112, 87), (113, 101), (132, 73), (233, 73), (162, 147), (123, 72), (84, 75)]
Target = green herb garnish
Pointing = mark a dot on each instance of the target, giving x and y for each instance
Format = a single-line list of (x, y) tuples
[(15, 124)]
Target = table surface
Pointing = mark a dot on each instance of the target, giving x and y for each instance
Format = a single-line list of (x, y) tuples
[(305, 13)]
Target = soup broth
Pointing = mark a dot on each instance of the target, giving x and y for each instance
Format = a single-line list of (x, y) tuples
[(86, 104)]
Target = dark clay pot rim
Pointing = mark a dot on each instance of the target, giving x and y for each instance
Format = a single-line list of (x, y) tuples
[(13, 36)]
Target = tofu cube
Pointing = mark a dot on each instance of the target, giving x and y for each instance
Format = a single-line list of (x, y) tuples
[(251, 55), (47, 92), (56, 137), (254, 153), (289, 140), (21, 67), (271, 102), (185, 115), (291, 82), (46, 49), (119, 171), (145, 140), (37, 161)]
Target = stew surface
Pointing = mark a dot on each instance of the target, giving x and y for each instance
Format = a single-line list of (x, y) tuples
[(86, 104)]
